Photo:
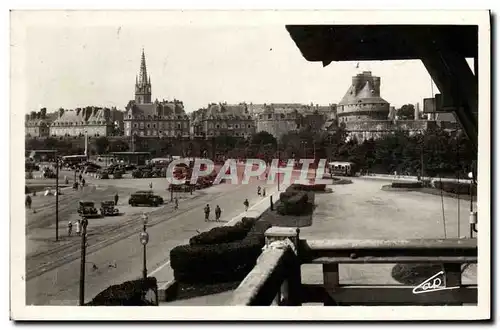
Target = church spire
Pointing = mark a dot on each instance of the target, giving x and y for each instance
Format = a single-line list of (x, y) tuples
[(143, 83), (143, 73)]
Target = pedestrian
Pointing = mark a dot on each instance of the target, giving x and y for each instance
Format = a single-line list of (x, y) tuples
[(176, 205), (83, 183), (80, 177), (258, 191), (78, 227), (70, 228), (28, 201), (151, 185), (218, 212), (116, 199), (246, 203), (207, 212), (264, 192)]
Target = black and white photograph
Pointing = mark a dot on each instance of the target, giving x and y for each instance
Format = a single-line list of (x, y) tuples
[(235, 159)]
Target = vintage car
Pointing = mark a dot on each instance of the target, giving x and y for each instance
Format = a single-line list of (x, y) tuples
[(87, 209), (117, 174), (108, 208), (145, 198)]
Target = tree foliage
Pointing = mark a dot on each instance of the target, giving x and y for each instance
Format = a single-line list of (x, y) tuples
[(406, 112)]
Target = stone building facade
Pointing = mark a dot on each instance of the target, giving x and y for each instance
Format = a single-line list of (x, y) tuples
[(154, 119), (94, 121), (223, 119), (277, 122), (37, 124)]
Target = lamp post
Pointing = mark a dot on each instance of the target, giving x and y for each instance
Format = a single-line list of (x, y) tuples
[(82, 261), (144, 239), (57, 198), (473, 215)]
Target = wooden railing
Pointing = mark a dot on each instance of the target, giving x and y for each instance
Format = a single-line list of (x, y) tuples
[(276, 278)]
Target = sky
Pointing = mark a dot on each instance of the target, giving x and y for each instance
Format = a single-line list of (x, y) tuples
[(75, 66)]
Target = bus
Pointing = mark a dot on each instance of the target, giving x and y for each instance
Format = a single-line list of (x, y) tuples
[(74, 160), (342, 168)]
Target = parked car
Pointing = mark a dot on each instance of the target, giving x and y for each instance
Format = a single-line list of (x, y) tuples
[(145, 198), (87, 209), (117, 174), (108, 208), (136, 174)]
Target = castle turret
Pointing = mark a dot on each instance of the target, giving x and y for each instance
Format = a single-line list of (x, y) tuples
[(362, 100)]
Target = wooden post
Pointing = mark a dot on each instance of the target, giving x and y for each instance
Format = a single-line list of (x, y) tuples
[(330, 282), (271, 200), (453, 277)]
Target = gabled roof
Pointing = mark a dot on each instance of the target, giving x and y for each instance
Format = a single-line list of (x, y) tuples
[(163, 109)]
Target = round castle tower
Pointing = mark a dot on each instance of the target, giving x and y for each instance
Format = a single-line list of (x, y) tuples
[(362, 101)]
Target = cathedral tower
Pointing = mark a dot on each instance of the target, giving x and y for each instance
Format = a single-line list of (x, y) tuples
[(143, 84)]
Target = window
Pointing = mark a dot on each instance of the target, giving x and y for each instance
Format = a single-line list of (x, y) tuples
[(269, 116), (178, 126), (185, 125), (135, 125), (249, 126), (236, 126), (141, 133), (147, 125), (141, 125), (217, 126), (154, 125)]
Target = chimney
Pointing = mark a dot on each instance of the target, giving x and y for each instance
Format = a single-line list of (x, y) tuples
[(417, 112)]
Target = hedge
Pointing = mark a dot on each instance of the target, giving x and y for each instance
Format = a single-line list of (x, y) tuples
[(225, 234), (130, 293), (308, 187), (223, 262), (462, 188), (403, 184), (215, 263), (294, 205)]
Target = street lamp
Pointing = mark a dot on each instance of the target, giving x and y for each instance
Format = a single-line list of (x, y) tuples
[(473, 215), (57, 197), (304, 143), (85, 222), (144, 239)]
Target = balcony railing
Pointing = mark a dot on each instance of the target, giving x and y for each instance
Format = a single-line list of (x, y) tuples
[(276, 278)]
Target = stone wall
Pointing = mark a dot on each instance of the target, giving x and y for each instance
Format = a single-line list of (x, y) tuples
[(92, 130), (277, 128), (364, 130)]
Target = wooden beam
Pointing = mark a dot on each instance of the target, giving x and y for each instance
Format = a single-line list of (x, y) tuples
[(389, 295), (393, 260)]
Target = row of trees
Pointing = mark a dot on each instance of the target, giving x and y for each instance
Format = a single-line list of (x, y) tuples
[(435, 152)]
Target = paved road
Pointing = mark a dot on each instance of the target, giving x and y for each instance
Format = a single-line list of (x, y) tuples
[(122, 260)]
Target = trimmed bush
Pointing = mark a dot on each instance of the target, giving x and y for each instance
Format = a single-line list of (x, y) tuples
[(308, 187), (295, 205), (224, 234), (461, 188), (130, 293), (284, 196), (224, 262), (215, 263), (403, 184)]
